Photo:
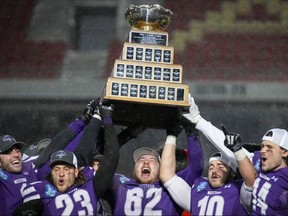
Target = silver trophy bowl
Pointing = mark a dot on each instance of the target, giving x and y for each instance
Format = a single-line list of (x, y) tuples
[(148, 17)]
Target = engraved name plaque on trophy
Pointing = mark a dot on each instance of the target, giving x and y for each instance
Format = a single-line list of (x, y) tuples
[(145, 84)]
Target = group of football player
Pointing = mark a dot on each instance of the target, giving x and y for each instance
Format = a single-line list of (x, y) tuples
[(75, 173)]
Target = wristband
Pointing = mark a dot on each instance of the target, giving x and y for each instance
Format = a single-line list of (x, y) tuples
[(97, 116), (170, 140), (239, 155)]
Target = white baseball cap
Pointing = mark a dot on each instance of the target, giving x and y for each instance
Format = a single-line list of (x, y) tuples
[(231, 162), (277, 136)]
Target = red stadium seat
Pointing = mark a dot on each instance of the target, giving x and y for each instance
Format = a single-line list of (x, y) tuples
[(232, 55)]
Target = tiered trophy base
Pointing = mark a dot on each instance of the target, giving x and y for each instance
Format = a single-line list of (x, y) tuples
[(147, 115), (149, 104)]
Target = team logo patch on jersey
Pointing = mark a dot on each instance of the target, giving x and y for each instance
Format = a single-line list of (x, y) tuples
[(50, 190), (257, 165), (201, 186), (3, 175), (123, 179)]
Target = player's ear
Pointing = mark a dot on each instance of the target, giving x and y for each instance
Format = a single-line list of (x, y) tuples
[(285, 153), (232, 174), (76, 172)]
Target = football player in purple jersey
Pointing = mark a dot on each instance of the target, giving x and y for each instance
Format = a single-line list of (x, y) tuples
[(212, 133), (16, 173), (217, 138), (144, 194), (219, 194), (270, 189), (69, 190)]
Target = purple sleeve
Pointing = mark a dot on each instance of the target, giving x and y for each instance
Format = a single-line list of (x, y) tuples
[(77, 125), (45, 169), (107, 120), (60, 141), (196, 160)]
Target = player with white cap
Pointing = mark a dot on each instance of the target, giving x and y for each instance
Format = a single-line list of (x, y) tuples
[(200, 199), (271, 186), (216, 194)]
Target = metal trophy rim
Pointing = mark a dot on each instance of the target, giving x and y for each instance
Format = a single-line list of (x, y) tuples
[(148, 17)]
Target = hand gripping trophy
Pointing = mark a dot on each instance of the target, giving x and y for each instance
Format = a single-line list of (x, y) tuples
[(145, 85)]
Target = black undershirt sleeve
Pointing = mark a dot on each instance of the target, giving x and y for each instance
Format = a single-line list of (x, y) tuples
[(104, 174), (59, 142), (85, 149)]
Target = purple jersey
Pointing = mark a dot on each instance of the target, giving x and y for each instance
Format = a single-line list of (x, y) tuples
[(132, 198), (196, 161), (256, 160), (78, 200), (270, 193), (221, 201), (11, 186)]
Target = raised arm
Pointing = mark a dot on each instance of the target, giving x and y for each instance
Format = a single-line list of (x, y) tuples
[(64, 137), (177, 187), (84, 150), (104, 174), (247, 170), (168, 159), (212, 133), (195, 153)]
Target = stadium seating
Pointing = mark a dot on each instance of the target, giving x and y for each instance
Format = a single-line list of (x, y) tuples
[(19, 57), (228, 40), (219, 39), (240, 40)]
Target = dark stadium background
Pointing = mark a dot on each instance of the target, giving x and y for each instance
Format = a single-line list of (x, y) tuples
[(56, 56)]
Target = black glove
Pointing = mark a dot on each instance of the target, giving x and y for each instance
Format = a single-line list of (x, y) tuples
[(232, 140), (97, 107), (188, 126), (173, 126), (106, 110), (30, 208), (88, 111)]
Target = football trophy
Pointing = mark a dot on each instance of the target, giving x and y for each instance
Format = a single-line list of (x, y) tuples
[(145, 86)]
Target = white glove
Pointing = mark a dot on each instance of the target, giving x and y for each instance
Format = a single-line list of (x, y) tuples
[(194, 113)]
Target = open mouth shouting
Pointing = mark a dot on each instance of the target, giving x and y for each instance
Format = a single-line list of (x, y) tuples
[(61, 182), (263, 159), (145, 172)]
